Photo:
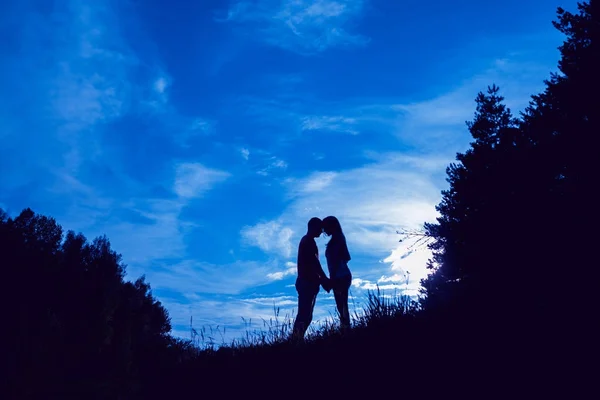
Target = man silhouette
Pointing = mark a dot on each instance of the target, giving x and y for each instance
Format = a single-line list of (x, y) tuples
[(310, 277)]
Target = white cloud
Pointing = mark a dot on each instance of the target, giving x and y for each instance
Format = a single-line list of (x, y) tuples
[(386, 288), (160, 85), (185, 129), (81, 101), (273, 164), (393, 278), (89, 83), (269, 236), (330, 123), (386, 194), (277, 163), (245, 153), (407, 262), (157, 101), (303, 26), (193, 179), (277, 301), (389, 287), (315, 182), (201, 125), (279, 275)]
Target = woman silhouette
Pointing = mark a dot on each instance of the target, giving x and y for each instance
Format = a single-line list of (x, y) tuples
[(337, 256)]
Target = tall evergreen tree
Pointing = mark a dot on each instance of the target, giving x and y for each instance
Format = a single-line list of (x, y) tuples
[(562, 124), (465, 244)]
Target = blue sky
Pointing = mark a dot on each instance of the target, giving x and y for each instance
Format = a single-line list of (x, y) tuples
[(201, 136)]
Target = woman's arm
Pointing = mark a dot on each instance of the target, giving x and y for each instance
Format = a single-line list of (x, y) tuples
[(333, 257)]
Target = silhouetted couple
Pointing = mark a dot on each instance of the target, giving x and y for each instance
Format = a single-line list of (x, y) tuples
[(311, 275)]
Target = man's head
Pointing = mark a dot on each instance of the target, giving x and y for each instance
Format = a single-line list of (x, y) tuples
[(315, 227)]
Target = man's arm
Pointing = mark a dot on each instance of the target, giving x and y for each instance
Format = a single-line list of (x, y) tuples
[(319, 269), (315, 262)]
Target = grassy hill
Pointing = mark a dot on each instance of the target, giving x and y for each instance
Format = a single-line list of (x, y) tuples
[(392, 349)]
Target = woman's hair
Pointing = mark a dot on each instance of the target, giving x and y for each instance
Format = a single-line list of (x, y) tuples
[(332, 225)]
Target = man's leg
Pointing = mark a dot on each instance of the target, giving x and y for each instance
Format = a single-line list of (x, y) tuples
[(313, 300), (306, 302)]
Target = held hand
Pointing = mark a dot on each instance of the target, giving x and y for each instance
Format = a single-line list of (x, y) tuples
[(326, 283)]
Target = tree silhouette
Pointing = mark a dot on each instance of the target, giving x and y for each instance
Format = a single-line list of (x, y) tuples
[(513, 215), (469, 229), (75, 325)]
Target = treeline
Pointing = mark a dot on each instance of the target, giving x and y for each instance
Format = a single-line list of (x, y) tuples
[(71, 322)]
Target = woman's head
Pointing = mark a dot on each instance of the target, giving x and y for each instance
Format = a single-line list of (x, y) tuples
[(331, 226)]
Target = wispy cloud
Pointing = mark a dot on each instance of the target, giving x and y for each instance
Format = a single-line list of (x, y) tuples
[(279, 275), (263, 162), (303, 26), (145, 229), (277, 301), (431, 124), (377, 194), (440, 121), (269, 236), (194, 179), (160, 85), (192, 276), (151, 229), (273, 163), (188, 130), (156, 100), (315, 182), (89, 84), (201, 125), (278, 163), (81, 101), (328, 123)]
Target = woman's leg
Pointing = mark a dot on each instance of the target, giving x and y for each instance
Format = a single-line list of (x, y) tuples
[(340, 293), (345, 315)]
